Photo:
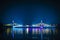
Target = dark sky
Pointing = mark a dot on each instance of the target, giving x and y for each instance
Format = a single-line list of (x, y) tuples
[(30, 11)]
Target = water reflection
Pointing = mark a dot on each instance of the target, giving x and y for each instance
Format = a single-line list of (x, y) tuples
[(35, 31), (27, 30), (31, 32), (17, 30), (8, 31)]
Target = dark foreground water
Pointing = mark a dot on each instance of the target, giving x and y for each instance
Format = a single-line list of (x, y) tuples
[(30, 34)]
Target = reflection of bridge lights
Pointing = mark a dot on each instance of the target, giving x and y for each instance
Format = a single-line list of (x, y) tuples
[(27, 30), (35, 31), (18, 30), (56, 31), (8, 30), (47, 30), (43, 30), (32, 31)]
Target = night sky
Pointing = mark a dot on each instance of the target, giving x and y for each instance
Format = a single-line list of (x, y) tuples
[(30, 12)]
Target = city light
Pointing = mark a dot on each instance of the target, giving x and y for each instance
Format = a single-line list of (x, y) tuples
[(27, 25), (46, 25), (18, 26), (47, 31), (34, 25)]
